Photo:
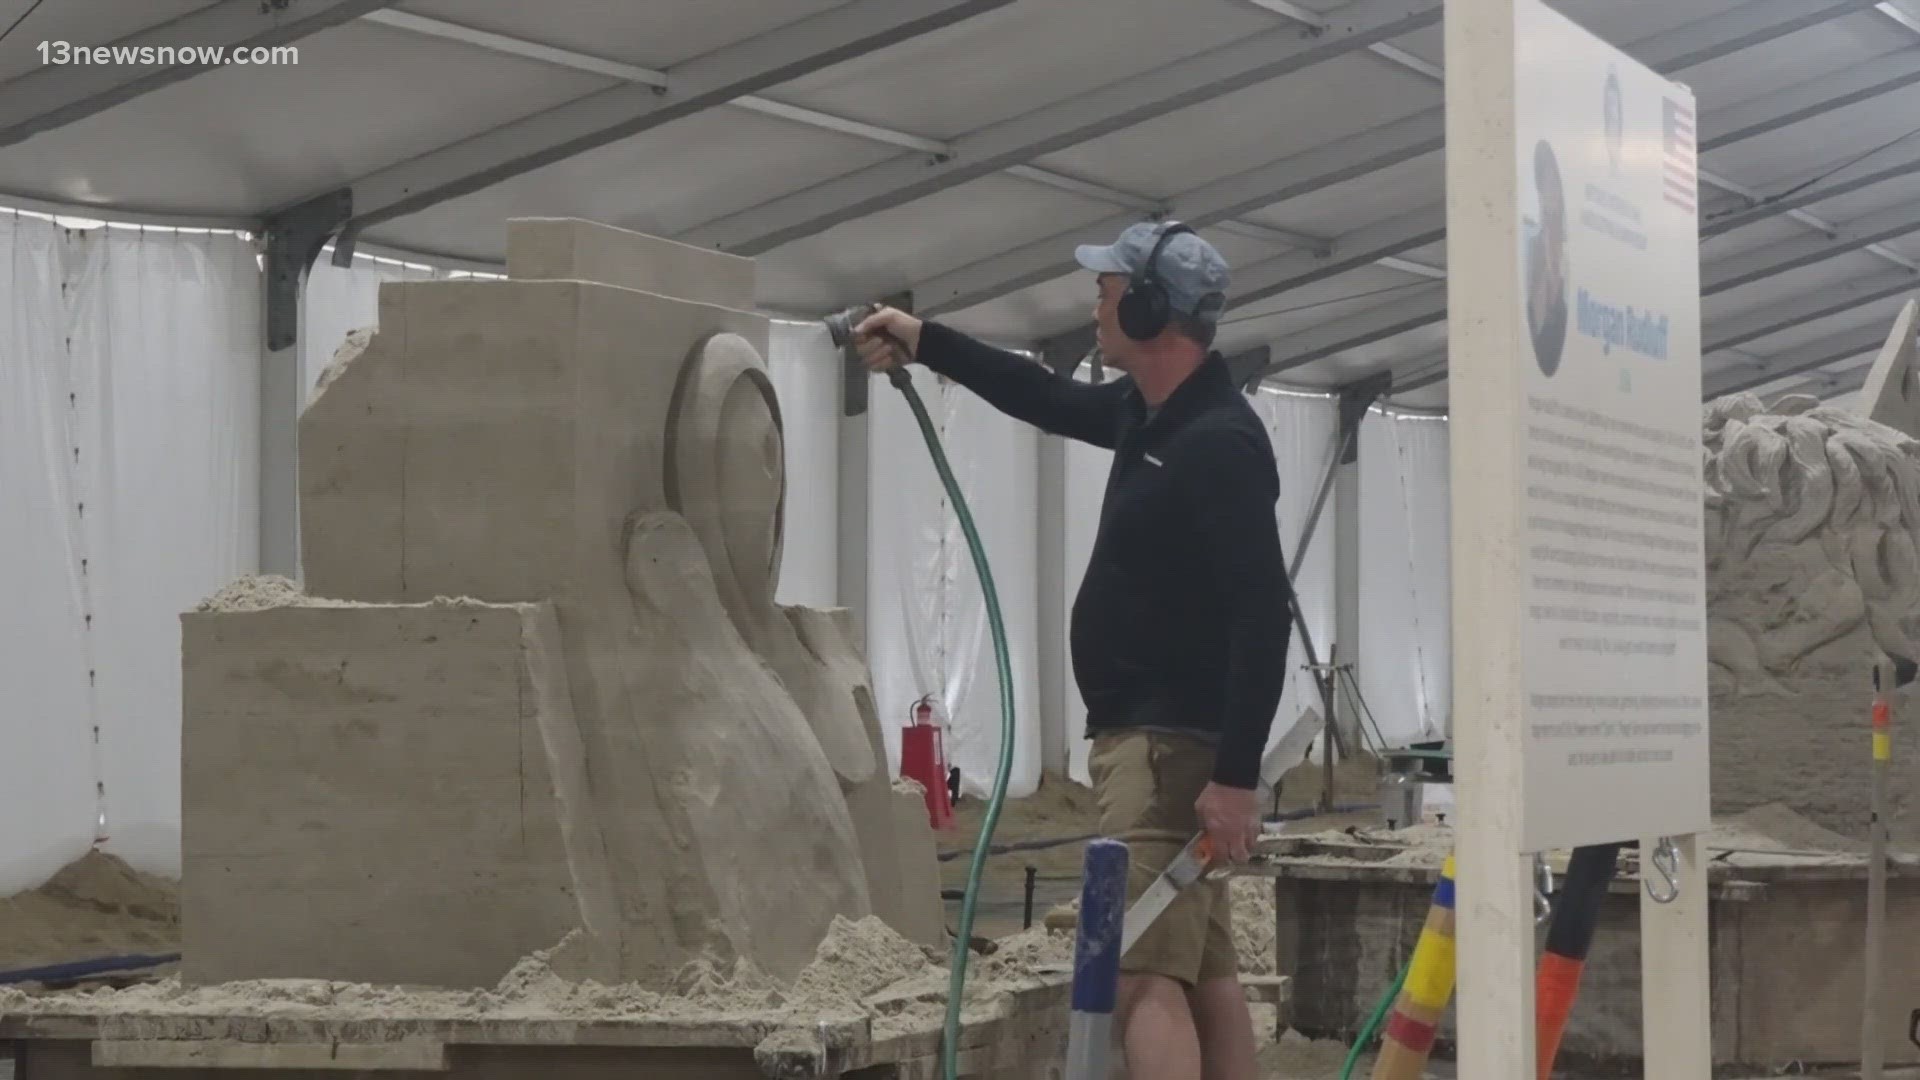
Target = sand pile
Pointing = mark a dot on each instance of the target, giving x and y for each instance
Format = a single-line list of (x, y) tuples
[(95, 906), (262, 592), (862, 969)]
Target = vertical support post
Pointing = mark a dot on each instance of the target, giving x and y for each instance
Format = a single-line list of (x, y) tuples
[(1485, 354), (1346, 573), (1050, 487), (1343, 474), (1674, 969), (294, 238), (1873, 1043), (1096, 960), (855, 482), (1062, 356)]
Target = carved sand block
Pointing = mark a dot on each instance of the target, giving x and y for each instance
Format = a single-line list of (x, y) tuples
[(315, 843), (616, 454)]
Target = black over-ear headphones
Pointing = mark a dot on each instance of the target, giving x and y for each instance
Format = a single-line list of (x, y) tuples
[(1145, 308)]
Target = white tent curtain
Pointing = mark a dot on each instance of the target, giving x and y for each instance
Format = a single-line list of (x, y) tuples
[(928, 630), (1302, 430), (1405, 665), (806, 373), (128, 464), (129, 362)]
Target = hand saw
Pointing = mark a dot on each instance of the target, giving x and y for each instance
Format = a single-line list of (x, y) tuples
[(1193, 860)]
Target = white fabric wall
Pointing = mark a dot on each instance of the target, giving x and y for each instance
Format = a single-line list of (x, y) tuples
[(140, 350), (1301, 429), (928, 630), (1405, 665), (805, 368), (128, 464)]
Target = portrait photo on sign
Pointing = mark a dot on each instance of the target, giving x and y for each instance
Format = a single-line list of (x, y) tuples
[(1544, 257)]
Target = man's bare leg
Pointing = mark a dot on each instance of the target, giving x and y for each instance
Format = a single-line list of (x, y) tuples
[(1158, 1029), (1225, 1027)]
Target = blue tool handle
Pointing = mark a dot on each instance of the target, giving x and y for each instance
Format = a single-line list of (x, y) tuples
[(1103, 910)]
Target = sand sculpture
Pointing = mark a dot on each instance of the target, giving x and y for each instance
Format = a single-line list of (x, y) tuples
[(611, 726), (1813, 572)]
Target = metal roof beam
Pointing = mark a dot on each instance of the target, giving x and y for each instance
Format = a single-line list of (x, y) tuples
[(1828, 385), (1773, 320), (1051, 257), (1362, 248), (777, 56), (1754, 371), (1371, 151), (1809, 99), (1112, 107), (814, 118), (1827, 351), (1426, 310), (1777, 259), (1760, 208), (1419, 381), (59, 94), (1430, 307)]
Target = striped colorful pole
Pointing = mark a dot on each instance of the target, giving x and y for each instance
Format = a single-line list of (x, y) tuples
[(1096, 960), (1408, 1040), (1557, 984)]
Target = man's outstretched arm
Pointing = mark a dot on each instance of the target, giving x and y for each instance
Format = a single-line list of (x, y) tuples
[(1011, 383)]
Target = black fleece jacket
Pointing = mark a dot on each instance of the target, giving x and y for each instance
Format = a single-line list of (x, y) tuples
[(1182, 621)]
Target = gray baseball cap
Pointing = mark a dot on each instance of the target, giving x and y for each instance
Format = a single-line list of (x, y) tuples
[(1192, 270)]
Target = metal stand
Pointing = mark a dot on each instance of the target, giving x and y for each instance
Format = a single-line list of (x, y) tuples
[(1355, 400), (1338, 680)]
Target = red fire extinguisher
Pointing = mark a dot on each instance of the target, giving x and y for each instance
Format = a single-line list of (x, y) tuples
[(923, 757)]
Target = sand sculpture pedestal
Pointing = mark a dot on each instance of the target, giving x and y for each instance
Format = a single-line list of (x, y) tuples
[(612, 726)]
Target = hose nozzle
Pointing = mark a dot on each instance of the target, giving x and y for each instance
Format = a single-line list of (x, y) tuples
[(840, 327), (840, 324)]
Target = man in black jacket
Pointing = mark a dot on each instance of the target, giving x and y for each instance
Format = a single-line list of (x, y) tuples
[(1179, 633)]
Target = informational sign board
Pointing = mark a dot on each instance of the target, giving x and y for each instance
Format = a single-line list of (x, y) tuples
[(1614, 646)]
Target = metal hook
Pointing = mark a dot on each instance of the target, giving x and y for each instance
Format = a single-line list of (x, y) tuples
[(1542, 890), (1665, 859)]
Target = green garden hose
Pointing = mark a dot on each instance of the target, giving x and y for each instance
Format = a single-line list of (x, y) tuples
[(950, 1044), (1373, 1022)]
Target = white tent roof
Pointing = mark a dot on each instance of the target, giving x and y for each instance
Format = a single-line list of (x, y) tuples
[(957, 149)]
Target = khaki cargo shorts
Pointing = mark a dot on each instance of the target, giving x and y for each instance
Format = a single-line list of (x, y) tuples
[(1147, 783)]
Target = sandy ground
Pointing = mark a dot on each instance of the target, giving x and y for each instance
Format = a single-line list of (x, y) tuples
[(99, 906)]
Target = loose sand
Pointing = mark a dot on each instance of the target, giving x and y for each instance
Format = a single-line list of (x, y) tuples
[(863, 969), (94, 907)]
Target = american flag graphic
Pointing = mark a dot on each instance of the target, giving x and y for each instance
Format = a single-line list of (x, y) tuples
[(1679, 183)]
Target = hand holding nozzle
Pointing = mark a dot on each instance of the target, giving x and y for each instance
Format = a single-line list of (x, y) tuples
[(887, 339)]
